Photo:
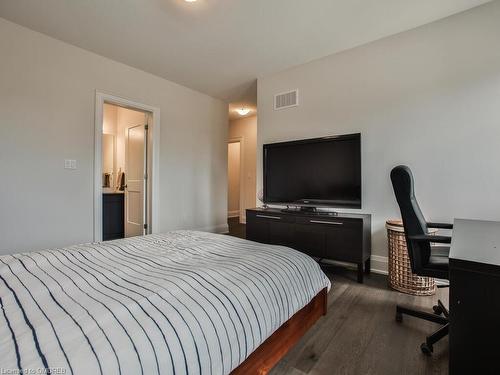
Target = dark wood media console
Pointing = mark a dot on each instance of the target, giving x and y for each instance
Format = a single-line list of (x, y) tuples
[(342, 237)]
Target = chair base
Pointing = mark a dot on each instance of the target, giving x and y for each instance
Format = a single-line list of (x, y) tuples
[(440, 316)]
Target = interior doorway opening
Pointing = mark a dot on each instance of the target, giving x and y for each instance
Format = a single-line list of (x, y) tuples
[(125, 163), (236, 187), (126, 170), (242, 132), (234, 178)]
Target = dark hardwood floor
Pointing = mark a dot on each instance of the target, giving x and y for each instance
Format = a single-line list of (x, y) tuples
[(359, 334)]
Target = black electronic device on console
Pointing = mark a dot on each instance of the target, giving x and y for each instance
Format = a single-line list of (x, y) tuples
[(314, 172)]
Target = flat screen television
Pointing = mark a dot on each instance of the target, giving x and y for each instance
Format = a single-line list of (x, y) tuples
[(314, 172)]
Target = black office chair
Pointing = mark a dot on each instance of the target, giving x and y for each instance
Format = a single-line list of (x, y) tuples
[(426, 260)]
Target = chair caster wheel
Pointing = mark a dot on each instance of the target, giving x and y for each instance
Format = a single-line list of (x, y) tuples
[(426, 349), (399, 317), (437, 309)]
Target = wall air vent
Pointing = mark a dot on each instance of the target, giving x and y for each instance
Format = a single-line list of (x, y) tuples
[(286, 100)]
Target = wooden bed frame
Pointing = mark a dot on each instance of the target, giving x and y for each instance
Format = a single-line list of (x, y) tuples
[(270, 352)]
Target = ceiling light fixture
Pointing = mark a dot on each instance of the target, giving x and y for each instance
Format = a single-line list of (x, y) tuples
[(189, 1), (243, 111)]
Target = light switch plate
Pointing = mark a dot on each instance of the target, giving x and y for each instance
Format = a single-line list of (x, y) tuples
[(69, 164)]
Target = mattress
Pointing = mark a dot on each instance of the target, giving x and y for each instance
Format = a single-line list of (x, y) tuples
[(182, 302)]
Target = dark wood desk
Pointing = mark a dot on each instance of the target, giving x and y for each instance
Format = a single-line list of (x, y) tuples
[(475, 297)]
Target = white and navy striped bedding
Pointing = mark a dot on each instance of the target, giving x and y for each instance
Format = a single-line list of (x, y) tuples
[(183, 302)]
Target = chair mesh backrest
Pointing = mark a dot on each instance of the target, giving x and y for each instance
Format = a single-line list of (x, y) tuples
[(413, 219)]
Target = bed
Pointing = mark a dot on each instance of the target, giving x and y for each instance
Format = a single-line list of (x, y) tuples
[(183, 302)]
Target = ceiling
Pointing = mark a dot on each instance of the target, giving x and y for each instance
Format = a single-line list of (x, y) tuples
[(220, 47), (246, 104)]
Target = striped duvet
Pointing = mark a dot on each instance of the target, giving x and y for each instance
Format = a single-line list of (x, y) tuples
[(183, 302)]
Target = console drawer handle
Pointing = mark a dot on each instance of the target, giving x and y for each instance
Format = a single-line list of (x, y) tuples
[(325, 222), (269, 217)]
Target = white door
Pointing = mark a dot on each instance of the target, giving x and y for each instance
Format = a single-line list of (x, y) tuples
[(135, 176)]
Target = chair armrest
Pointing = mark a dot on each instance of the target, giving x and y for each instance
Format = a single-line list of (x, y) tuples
[(430, 238), (440, 225)]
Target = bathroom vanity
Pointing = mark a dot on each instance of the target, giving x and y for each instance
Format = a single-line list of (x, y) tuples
[(113, 208)]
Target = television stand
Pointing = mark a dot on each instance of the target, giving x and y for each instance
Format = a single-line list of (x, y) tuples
[(313, 211), (308, 209), (340, 237)]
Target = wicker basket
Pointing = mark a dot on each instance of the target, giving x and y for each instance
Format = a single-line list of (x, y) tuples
[(401, 277)]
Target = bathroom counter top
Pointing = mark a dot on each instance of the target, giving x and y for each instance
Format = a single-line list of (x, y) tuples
[(111, 191)]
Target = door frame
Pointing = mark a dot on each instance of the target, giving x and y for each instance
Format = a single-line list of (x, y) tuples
[(154, 179), (242, 176)]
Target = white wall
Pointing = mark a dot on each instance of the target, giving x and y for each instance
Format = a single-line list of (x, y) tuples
[(246, 129), (109, 149), (109, 118), (428, 98), (47, 100)]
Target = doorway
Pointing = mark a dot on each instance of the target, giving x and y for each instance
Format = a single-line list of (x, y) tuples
[(236, 187), (126, 170), (233, 178)]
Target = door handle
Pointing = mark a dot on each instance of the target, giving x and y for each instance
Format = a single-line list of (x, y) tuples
[(325, 222), (269, 217)]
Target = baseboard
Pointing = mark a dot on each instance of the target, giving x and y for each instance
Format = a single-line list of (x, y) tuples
[(379, 264), (233, 213)]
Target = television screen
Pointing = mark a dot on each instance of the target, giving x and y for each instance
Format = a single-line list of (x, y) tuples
[(317, 172)]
